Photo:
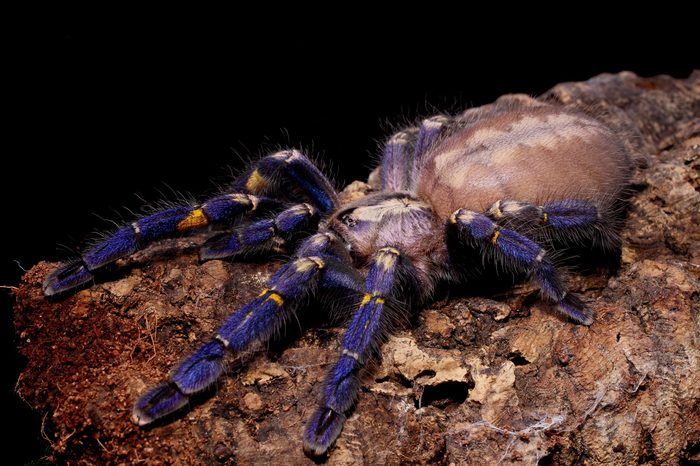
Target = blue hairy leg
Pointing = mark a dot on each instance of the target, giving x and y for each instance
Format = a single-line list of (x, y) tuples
[(304, 180), (569, 219), (256, 321), (128, 239), (403, 153), (302, 174), (430, 130), (264, 235), (362, 338), (519, 253), (397, 161), (569, 213)]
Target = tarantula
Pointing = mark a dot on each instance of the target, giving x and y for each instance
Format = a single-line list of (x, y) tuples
[(504, 186)]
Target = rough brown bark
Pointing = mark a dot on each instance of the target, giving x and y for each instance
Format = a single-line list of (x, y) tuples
[(475, 380)]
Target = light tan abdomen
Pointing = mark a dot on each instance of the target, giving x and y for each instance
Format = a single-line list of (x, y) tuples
[(527, 154)]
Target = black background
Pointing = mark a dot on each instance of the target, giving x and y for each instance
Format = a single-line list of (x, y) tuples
[(98, 111)]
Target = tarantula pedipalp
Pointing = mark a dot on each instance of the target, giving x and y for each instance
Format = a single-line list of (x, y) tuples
[(507, 185)]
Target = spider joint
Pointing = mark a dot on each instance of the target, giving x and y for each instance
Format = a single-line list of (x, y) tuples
[(222, 340)]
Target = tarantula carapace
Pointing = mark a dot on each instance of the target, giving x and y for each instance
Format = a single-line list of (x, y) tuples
[(507, 185)]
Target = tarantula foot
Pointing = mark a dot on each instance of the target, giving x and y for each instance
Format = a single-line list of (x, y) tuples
[(158, 402), (66, 277), (572, 307), (322, 430)]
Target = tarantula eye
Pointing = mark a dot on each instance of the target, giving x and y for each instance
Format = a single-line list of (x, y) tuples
[(348, 220)]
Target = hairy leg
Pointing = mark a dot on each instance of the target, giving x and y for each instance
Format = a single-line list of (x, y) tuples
[(319, 263), (363, 336), (265, 177), (295, 174), (265, 235), (570, 221), (517, 252), (403, 153), (163, 224)]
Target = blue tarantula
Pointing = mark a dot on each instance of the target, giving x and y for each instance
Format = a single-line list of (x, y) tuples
[(504, 186)]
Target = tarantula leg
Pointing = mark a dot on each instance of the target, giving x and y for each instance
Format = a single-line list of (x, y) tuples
[(295, 166), (256, 321), (520, 253), (428, 133), (194, 374), (570, 221), (397, 161), (291, 164), (263, 235), (363, 336), (69, 275), (159, 225), (568, 213), (403, 152)]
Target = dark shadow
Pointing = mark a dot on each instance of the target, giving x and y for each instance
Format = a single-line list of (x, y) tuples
[(444, 394), (517, 359)]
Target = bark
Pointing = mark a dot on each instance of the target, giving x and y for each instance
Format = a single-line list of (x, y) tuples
[(473, 380)]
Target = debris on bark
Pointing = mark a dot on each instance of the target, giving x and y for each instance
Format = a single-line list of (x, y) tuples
[(474, 380)]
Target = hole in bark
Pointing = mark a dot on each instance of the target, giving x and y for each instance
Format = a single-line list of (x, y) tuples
[(517, 359), (403, 380), (691, 454), (648, 455), (548, 459), (444, 394), (426, 373), (617, 337)]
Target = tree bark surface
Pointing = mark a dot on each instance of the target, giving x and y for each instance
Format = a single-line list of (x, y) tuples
[(497, 379)]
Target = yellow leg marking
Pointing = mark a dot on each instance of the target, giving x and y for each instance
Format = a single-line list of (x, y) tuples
[(247, 316), (276, 298), (494, 238), (368, 297), (197, 218), (273, 296), (256, 182), (545, 217)]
